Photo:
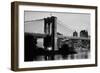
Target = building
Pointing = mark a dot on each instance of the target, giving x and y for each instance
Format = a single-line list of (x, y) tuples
[(83, 33), (75, 34)]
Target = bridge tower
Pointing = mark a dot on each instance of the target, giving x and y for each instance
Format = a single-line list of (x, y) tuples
[(50, 25)]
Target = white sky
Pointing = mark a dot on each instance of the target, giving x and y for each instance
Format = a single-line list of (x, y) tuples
[(70, 22)]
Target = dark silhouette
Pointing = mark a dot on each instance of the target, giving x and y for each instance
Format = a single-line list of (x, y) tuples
[(65, 50), (75, 34), (83, 33), (30, 47)]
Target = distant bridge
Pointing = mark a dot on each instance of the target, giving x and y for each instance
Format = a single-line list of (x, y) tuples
[(71, 37)]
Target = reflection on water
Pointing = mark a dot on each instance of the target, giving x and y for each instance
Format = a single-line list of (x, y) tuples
[(82, 53)]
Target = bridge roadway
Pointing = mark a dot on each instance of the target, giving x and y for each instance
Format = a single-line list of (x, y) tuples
[(38, 35)]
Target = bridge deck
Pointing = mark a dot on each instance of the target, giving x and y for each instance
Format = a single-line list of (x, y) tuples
[(38, 35)]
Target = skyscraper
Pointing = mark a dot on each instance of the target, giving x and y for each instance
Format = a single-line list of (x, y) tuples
[(75, 34), (83, 33)]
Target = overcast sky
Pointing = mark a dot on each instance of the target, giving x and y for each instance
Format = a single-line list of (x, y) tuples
[(67, 23)]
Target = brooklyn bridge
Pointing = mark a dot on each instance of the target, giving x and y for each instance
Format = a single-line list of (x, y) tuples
[(50, 39)]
